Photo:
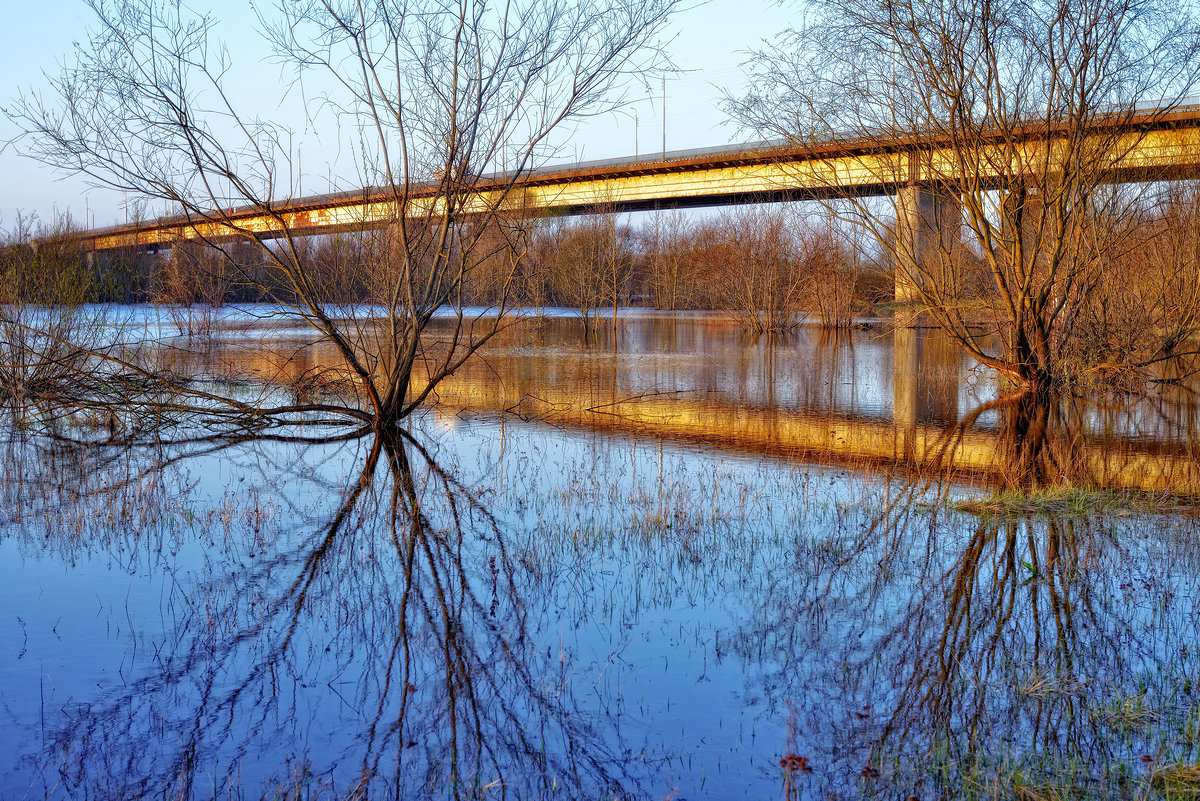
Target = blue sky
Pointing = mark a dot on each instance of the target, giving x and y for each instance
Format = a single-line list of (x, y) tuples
[(709, 48)]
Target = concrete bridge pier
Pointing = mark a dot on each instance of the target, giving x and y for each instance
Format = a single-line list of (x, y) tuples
[(905, 364), (928, 231)]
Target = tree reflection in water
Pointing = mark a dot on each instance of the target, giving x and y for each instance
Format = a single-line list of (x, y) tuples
[(376, 619), (384, 655), (1022, 653), (994, 650)]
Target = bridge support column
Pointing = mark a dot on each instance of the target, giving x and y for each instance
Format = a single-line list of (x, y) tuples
[(904, 387), (928, 229)]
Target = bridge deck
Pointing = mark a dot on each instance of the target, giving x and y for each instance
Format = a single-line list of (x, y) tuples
[(1150, 146)]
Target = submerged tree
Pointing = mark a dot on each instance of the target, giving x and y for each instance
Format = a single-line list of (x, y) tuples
[(587, 263), (451, 104), (1012, 117)]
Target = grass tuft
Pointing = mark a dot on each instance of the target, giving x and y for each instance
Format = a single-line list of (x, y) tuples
[(1027, 792), (1181, 780), (1072, 502)]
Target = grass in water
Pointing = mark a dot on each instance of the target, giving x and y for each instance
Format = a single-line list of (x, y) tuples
[(1181, 780), (1073, 502)]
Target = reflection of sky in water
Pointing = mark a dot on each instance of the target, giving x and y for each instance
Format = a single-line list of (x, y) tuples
[(680, 613)]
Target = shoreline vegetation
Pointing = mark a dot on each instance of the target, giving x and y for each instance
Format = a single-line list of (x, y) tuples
[(770, 269), (1076, 502)]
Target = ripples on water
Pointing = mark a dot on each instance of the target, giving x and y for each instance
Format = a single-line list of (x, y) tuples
[(673, 568)]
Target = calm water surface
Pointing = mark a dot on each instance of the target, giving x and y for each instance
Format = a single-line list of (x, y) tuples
[(677, 562)]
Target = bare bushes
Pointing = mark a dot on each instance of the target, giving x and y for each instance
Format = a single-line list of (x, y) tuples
[(192, 283), (82, 369), (1141, 318), (46, 331), (587, 263), (665, 243), (501, 275), (838, 285), (761, 269), (770, 268)]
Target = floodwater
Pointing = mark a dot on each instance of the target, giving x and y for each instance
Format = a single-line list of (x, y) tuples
[(666, 561)]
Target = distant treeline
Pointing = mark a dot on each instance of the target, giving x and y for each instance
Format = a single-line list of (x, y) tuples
[(759, 264), (767, 266)]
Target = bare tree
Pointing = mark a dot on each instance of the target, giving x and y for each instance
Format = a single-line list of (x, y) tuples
[(763, 280), (193, 282), (833, 274), (666, 244), (588, 261), (1010, 117), (451, 103)]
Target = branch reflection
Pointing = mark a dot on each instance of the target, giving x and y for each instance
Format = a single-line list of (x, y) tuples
[(1030, 641), (385, 654)]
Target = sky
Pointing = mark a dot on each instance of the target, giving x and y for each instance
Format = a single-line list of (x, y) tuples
[(710, 45)]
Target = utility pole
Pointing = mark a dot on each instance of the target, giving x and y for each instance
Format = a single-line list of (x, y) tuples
[(664, 115), (635, 133)]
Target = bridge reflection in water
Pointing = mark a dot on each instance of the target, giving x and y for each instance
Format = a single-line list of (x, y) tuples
[(905, 399)]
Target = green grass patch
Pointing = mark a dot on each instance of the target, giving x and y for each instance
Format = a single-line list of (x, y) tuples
[(1181, 780), (1074, 502)]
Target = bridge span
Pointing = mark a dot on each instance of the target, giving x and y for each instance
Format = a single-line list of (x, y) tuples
[(1149, 146)]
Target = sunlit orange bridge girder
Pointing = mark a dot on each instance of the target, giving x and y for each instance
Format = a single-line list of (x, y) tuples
[(1150, 146)]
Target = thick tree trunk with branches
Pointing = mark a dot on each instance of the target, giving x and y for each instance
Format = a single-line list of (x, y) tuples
[(437, 93), (1013, 114)]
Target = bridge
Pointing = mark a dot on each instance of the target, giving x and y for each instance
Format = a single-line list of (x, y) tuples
[(1148, 145)]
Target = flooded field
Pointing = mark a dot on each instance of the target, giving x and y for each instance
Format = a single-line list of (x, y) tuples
[(668, 560)]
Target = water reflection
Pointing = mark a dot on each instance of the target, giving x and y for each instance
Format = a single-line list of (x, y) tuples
[(903, 399), (398, 625), (607, 591), (1028, 657)]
